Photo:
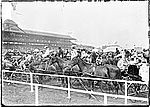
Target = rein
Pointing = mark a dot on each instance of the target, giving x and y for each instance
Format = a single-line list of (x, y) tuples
[(85, 64)]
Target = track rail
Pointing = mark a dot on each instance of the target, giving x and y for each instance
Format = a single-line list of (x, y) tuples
[(69, 89)]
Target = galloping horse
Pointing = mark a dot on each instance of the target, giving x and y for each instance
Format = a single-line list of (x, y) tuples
[(61, 67), (39, 65), (106, 71)]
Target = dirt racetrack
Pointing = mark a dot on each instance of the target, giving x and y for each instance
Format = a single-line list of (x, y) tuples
[(20, 94)]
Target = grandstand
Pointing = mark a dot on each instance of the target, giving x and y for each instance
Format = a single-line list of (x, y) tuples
[(14, 37)]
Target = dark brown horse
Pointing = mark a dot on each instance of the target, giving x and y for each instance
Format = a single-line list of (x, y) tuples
[(62, 67), (106, 71)]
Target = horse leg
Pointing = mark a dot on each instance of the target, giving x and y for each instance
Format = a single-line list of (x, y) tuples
[(109, 85), (116, 84), (64, 81), (121, 86), (100, 85), (91, 87)]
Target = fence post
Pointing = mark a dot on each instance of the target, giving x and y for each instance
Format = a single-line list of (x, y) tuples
[(36, 95), (126, 92), (105, 99), (69, 88), (31, 80)]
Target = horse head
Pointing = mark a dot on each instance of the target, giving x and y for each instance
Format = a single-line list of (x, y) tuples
[(80, 63), (60, 62), (74, 61), (53, 60)]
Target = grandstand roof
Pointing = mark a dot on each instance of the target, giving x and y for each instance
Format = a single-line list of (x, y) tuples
[(48, 34), (17, 30), (8, 21)]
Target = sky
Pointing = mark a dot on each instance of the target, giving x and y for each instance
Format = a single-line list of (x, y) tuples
[(91, 23)]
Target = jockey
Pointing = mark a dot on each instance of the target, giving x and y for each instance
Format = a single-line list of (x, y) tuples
[(93, 59), (35, 52), (29, 57), (46, 52), (74, 52), (83, 54), (122, 64), (60, 52), (67, 54)]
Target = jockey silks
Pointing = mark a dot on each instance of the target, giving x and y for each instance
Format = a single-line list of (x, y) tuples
[(74, 53), (46, 53)]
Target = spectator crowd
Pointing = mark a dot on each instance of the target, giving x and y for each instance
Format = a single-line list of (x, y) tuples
[(124, 59)]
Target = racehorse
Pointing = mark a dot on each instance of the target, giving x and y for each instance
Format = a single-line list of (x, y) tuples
[(39, 65), (62, 67), (106, 71)]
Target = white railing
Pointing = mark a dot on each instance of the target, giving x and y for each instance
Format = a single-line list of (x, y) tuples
[(126, 97)]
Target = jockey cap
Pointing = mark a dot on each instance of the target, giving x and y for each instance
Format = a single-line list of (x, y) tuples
[(45, 47), (73, 47)]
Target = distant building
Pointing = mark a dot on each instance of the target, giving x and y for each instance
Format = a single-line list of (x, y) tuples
[(15, 38), (87, 47)]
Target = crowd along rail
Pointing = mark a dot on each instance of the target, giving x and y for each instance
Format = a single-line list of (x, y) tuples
[(69, 89)]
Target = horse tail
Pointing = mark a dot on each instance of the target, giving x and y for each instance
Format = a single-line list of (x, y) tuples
[(108, 72), (119, 76)]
